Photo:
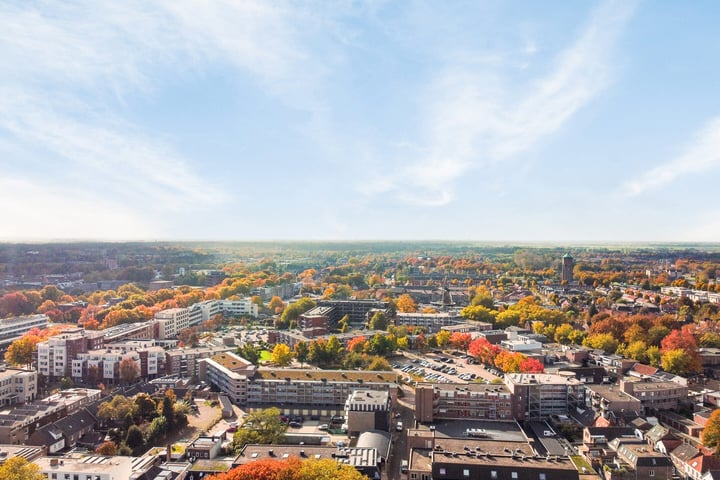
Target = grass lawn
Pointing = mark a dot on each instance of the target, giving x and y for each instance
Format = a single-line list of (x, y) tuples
[(265, 355)]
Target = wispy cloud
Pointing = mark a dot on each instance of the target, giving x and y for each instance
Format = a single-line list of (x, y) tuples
[(702, 155), (476, 118), (66, 63)]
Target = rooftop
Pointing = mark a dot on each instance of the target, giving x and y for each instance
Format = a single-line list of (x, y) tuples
[(350, 376)]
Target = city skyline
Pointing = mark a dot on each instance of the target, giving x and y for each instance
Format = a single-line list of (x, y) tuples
[(467, 121)]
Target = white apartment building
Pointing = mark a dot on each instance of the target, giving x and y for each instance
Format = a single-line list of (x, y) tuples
[(13, 327), (17, 386), (239, 308), (107, 362), (55, 354), (171, 321), (203, 311), (85, 468)]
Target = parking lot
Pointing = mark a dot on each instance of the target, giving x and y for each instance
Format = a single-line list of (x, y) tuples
[(443, 367)]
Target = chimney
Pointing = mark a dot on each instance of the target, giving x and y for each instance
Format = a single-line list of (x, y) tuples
[(169, 453)]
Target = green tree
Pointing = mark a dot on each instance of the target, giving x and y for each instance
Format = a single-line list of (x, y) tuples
[(168, 410), (637, 351), (479, 313), (134, 438), (249, 352), (18, 468), (281, 355), (145, 405), (263, 426), (378, 322), (379, 364), (296, 309), (654, 356), (656, 334), (158, 427), (301, 352)]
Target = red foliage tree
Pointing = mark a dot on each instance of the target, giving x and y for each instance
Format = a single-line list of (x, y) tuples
[(531, 365), (461, 341), (483, 350)]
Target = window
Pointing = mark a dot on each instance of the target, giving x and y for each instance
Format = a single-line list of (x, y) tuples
[(652, 473), (493, 474), (443, 471), (542, 476), (466, 472), (513, 475)]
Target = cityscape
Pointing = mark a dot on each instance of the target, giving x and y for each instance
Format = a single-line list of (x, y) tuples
[(386, 360), (359, 239)]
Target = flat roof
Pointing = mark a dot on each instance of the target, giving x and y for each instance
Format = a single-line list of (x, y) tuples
[(495, 430), (350, 376), (610, 392), (90, 464)]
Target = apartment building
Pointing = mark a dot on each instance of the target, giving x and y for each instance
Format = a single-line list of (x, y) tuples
[(14, 327), (54, 355), (171, 321), (654, 395), (356, 310), (606, 399), (367, 410), (473, 401), (229, 373), (538, 396), (238, 308), (314, 392), (106, 365), (184, 362), (83, 468), (130, 331), (433, 322), (203, 311), (17, 386)]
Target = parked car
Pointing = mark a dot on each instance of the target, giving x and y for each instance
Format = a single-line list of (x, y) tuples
[(324, 427), (294, 424)]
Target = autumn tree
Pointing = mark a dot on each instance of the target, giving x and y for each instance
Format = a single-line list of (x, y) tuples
[(406, 304), (379, 364), (18, 468), (479, 313), (296, 309), (106, 448), (128, 371), (281, 355), (20, 352), (678, 362), (460, 340), (602, 341), (327, 469), (483, 350), (711, 433), (531, 365), (442, 338), (357, 344)]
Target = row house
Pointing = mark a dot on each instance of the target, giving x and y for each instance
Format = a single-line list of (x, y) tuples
[(473, 401)]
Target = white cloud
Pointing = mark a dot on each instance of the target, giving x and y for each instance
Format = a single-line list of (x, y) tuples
[(702, 155), (41, 211), (475, 118)]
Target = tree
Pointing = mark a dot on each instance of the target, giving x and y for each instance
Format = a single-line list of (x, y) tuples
[(262, 426), (18, 468), (656, 334), (378, 322), (281, 355), (146, 406), (635, 333), (327, 469), (406, 304), (301, 352), (276, 305), (357, 344), (509, 362), (461, 341), (637, 351), (159, 426), (249, 352), (483, 350), (296, 309), (128, 371), (443, 338), (479, 313), (106, 448), (531, 365), (678, 362), (379, 364), (20, 352), (263, 469), (116, 409), (711, 433), (602, 341), (168, 410), (563, 333)]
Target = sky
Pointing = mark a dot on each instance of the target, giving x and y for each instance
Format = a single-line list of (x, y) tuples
[(370, 120)]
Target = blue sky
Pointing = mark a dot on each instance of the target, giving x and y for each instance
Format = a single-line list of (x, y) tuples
[(487, 121)]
